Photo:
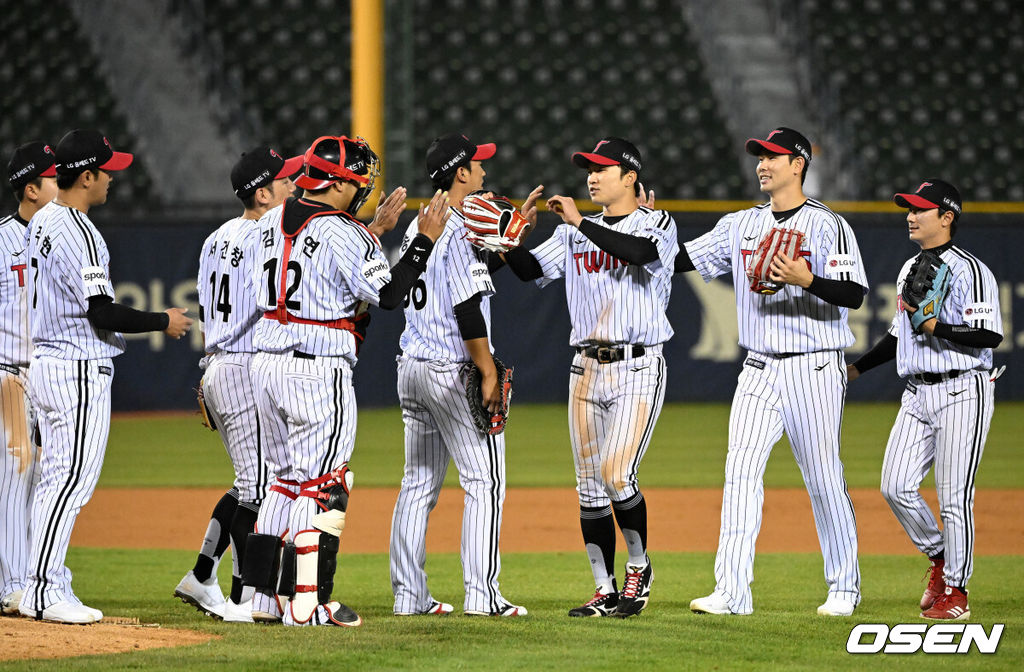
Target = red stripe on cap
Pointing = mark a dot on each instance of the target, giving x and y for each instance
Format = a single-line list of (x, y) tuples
[(485, 151), (119, 161), (595, 158), (770, 146), (49, 172), (913, 201), (290, 167)]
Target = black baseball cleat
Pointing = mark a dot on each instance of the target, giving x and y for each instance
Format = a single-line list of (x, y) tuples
[(600, 605), (636, 590)]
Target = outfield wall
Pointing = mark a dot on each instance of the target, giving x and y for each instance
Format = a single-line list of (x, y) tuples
[(153, 264)]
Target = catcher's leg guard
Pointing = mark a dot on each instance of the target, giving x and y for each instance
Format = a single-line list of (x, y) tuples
[(331, 492), (286, 585), (262, 561), (316, 556)]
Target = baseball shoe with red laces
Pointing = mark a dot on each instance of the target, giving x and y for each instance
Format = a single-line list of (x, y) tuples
[(936, 584), (601, 604), (950, 606), (636, 590)]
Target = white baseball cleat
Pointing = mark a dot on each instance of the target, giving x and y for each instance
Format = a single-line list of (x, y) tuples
[(836, 606), (204, 596), (506, 610), (238, 613), (715, 603), (9, 603), (65, 611), (435, 609)]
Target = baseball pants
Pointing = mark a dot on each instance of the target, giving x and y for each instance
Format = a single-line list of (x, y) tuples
[(229, 395), (307, 411), (72, 400), (17, 473), (801, 395), (613, 409), (438, 424), (945, 426)]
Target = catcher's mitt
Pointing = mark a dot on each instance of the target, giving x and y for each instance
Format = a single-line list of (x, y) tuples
[(759, 267), (925, 288), (204, 411), (485, 421), (494, 223)]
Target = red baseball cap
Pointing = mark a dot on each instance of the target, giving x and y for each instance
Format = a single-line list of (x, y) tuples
[(31, 160), (259, 167), (449, 152), (611, 151), (81, 150), (933, 193), (781, 141)]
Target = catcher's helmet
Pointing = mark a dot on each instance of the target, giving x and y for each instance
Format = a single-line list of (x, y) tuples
[(333, 159)]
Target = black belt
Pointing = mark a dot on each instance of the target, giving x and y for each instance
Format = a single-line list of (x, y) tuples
[(302, 355), (606, 354), (933, 378), (10, 368)]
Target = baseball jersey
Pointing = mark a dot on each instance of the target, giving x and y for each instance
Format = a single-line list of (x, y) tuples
[(609, 300), (227, 295), (68, 264), (973, 300), (791, 320), (15, 346), (335, 267), (455, 272)]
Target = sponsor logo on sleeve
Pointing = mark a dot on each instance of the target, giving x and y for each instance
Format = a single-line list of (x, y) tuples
[(377, 269), (979, 311), (94, 276), (840, 263)]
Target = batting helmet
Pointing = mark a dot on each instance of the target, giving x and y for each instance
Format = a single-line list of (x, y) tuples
[(333, 159)]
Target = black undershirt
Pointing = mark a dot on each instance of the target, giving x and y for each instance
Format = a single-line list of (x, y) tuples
[(470, 319), (629, 248), (103, 313)]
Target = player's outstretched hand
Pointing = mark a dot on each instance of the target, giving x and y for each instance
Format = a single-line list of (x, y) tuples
[(529, 208), (646, 199), (434, 215), (791, 271), (178, 324), (565, 207), (852, 373), (385, 217)]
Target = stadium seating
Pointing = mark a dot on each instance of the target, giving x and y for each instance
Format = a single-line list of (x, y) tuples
[(926, 87), (52, 83)]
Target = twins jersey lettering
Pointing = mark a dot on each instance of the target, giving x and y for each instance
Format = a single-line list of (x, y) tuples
[(791, 320), (227, 294), (611, 301), (335, 268), (973, 299), (15, 346), (68, 264), (455, 272)]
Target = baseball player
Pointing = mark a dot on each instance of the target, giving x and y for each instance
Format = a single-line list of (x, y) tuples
[(618, 272), (947, 406), (793, 378), (31, 175), (447, 315), (317, 268), (74, 325), (261, 179)]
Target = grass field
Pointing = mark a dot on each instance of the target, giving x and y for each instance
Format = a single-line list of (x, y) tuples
[(688, 450)]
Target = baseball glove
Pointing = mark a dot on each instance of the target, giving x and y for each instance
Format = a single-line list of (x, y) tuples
[(759, 267), (925, 288), (485, 421), (204, 411), (494, 223)]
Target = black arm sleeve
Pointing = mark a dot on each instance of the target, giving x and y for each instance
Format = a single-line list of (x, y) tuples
[(494, 262), (884, 351), (845, 293), (523, 264), (629, 248), (972, 337), (103, 313), (470, 319), (405, 272), (683, 261)]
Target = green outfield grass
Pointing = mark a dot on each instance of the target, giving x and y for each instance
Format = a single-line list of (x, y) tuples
[(784, 633), (688, 449)]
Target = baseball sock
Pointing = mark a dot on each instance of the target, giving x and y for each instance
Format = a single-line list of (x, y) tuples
[(242, 524), (632, 517), (598, 527), (216, 540)]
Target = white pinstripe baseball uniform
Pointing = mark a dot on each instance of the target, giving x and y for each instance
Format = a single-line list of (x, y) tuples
[(943, 423), (302, 372), (70, 379), (439, 425), (228, 317), (614, 406), (19, 459), (793, 381)]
